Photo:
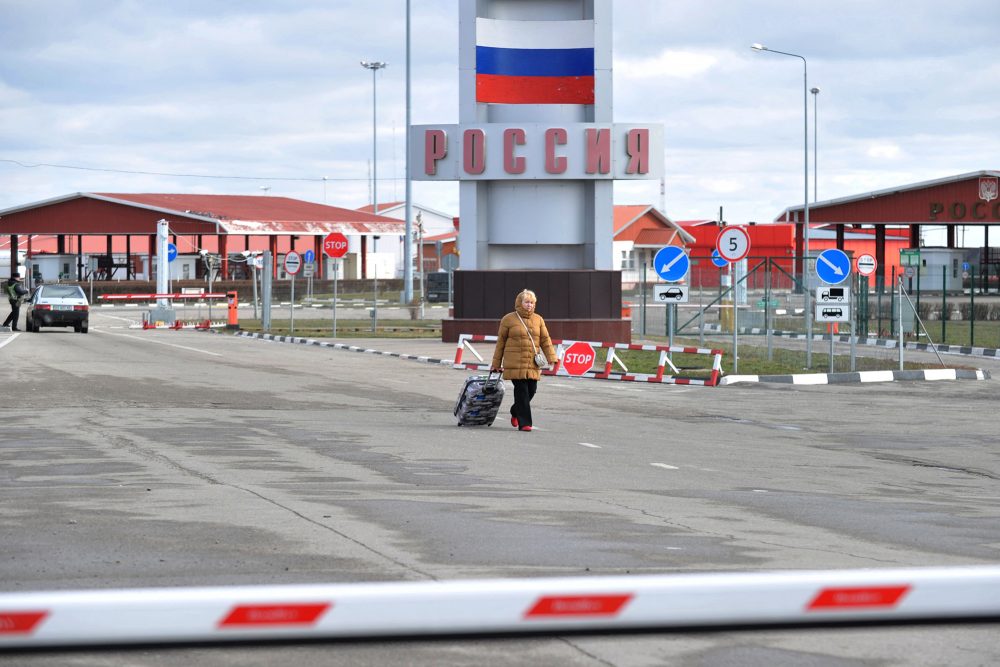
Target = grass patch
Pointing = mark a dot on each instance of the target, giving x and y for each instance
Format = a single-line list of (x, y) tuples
[(309, 328)]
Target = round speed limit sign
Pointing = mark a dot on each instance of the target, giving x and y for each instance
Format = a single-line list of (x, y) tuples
[(733, 243)]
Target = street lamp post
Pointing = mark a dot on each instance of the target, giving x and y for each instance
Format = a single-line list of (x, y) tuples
[(815, 93), (805, 139), (374, 66)]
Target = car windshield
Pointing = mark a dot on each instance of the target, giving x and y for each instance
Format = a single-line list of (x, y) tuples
[(61, 292)]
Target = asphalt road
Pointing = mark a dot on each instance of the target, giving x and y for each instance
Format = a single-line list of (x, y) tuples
[(169, 458)]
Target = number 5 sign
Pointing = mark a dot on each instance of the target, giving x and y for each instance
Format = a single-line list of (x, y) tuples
[(733, 243)]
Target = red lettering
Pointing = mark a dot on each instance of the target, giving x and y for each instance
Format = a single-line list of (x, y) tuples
[(435, 148), (474, 149), (637, 147), (598, 147), (511, 137), (554, 164)]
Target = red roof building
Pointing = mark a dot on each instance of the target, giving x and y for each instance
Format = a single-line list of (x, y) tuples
[(125, 224)]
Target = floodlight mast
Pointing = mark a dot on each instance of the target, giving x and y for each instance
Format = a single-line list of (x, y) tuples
[(805, 261)]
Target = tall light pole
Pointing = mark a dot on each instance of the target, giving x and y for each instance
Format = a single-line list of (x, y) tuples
[(815, 93), (374, 66), (805, 140), (408, 211)]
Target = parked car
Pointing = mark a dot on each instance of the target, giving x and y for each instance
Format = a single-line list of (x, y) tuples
[(58, 306)]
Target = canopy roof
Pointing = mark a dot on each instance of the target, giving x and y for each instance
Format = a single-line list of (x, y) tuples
[(256, 215)]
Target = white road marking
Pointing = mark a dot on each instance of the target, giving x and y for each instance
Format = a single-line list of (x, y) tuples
[(664, 466), (117, 317), (587, 444), (159, 342), (9, 339)]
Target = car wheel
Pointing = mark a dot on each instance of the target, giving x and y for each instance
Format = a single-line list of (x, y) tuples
[(77, 328), (84, 329)]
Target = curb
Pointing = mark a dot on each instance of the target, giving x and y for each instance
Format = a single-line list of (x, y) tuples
[(341, 346), (861, 377)]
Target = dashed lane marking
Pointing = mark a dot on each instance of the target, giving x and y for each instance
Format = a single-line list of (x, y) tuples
[(665, 466)]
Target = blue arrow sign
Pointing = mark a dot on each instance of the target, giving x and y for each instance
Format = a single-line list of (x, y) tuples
[(671, 263), (833, 266), (171, 252), (309, 256), (718, 260)]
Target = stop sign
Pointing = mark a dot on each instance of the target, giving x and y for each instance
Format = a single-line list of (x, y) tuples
[(335, 245), (578, 358)]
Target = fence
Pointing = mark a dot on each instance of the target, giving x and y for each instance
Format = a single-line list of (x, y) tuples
[(766, 295)]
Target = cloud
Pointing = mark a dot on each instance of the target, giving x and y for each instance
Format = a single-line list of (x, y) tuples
[(675, 64)]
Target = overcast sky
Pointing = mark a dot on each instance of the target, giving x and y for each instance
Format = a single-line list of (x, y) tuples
[(272, 95)]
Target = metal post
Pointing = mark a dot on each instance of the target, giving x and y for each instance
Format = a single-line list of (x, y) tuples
[(265, 288), (671, 308), (420, 258), (253, 276), (899, 308), (291, 309), (829, 330), (336, 265), (853, 310), (736, 326), (374, 66), (944, 303), (805, 168), (408, 230), (972, 307), (767, 310), (642, 328)]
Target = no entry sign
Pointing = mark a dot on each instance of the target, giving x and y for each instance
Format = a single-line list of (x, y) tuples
[(335, 245), (866, 264), (578, 358), (293, 263)]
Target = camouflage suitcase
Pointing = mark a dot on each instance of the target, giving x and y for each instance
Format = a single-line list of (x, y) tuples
[(479, 401)]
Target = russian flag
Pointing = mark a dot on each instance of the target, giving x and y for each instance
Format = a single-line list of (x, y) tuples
[(534, 62)]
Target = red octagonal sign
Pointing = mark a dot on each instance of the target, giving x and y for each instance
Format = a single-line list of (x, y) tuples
[(335, 245), (578, 358)]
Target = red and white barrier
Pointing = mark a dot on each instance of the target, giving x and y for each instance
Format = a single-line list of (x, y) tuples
[(154, 297), (715, 374), (549, 605)]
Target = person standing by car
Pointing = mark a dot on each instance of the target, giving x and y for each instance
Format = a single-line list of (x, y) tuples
[(15, 295), (522, 336)]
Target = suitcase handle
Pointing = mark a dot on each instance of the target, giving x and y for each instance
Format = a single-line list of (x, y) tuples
[(491, 384)]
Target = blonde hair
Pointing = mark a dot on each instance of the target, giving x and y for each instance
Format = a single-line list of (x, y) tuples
[(525, 294)]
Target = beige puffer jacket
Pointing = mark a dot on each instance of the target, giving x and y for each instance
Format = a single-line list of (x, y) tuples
[(514, 353)]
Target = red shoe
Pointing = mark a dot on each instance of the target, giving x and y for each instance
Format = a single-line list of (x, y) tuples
[(523, 428), (513, 422)]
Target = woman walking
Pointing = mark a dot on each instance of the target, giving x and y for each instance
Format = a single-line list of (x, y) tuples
[(522, 342)]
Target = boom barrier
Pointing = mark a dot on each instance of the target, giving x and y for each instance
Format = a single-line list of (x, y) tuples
[(232, 320), (499, 606), (713, 370)]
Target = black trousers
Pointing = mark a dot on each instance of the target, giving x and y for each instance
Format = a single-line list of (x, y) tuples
[(524, 391), (15, 312)]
